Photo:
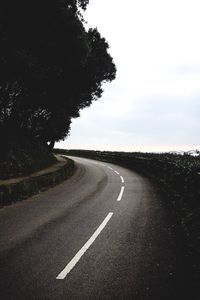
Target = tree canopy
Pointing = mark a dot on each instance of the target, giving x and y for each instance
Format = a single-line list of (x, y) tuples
[(50, 67)]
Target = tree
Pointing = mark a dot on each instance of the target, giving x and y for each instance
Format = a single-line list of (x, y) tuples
[(51, 67)]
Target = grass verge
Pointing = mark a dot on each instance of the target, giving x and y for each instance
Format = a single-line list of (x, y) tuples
[(14, 190)]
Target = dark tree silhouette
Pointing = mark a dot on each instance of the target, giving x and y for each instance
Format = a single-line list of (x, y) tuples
[(50, 68)]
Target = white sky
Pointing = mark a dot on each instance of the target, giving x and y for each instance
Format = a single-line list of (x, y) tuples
[(154, 103)]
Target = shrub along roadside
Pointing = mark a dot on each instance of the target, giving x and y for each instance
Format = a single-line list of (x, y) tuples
[(13, 191), (178, 177), (23, 157)]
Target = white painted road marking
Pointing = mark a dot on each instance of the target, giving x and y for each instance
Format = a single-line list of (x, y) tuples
[(80, 253), (110, 168), (122, 179), (116, 172), (120, 194)]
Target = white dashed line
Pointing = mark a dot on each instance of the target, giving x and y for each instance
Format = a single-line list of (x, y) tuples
[(116, 172), (122, 179), (111, 168), (80, 253), (120, 194)]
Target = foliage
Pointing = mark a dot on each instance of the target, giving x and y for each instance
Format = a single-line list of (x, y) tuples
[(24, 159), (50, 67)]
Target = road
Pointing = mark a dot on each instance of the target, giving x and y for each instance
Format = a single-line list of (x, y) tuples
[(103, 234)]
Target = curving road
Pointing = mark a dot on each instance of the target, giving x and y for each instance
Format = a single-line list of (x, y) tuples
[(103, 234)]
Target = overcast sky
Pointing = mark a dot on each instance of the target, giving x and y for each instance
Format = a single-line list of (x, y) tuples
[(154, 103)]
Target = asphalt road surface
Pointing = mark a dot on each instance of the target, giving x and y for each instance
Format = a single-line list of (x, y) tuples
[(105, 233)]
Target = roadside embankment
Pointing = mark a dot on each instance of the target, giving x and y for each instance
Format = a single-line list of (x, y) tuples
[(16, 189)]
